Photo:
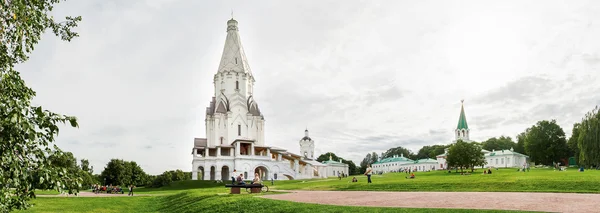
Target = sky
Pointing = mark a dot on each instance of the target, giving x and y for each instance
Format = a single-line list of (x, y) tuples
[(362, 76)]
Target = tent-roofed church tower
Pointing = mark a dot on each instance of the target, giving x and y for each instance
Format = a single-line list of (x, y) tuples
[(233, 114), (462, 130)]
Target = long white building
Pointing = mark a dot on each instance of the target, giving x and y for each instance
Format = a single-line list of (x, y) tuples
[(235, 137), (494, 158)]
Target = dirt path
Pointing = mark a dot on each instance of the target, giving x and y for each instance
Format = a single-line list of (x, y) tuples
[(90, 194), (548, 202)]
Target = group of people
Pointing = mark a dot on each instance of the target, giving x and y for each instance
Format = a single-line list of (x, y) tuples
[(342, 175), (109, 189), (239, 178)]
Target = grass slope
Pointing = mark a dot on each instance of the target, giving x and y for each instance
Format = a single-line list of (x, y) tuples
[(205, 196), (502, 180), (200, 200)]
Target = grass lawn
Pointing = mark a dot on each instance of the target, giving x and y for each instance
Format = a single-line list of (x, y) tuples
[(502, 180), (199, 200), (204, 196)]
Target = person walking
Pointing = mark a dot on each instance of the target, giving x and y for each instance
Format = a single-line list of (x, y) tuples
[(130, 190), (368, 173)]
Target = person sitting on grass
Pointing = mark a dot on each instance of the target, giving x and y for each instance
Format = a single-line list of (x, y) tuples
[(489, 171), (240, 180), (354, 179), (412, 176), (256, 179), (485, 172)]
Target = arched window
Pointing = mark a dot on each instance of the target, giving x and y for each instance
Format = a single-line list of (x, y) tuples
[(221, 140), (239, 130), (237, 85)]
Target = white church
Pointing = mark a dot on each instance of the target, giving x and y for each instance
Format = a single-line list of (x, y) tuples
[(235, 138), (493, 159)]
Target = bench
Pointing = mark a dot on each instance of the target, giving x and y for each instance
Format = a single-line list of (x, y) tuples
[(235, 189)]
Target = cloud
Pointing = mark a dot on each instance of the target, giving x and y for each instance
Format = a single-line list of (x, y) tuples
[(362, 76), (524, 89)]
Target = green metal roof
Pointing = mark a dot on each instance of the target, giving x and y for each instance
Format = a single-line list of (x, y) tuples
[(426, 160), (505, 152), (333, 162), (397, 159), (462, 120)]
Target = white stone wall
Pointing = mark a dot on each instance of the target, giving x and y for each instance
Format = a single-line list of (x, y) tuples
[(245, 165), (333, 170), (441, 161), (502, 161)]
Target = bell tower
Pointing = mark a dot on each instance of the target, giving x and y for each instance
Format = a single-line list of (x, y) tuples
[(462, 130), (307, 146)]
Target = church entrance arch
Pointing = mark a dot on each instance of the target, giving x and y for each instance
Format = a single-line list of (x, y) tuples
[(200, 173), (212, 173), (263, 172), (225, 173)]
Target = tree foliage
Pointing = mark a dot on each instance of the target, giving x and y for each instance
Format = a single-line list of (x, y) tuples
[(85, 166), (352, 169), (588, 141), (168, 177), (123, 173), (368, 160), (520, 148), (27, 132), (465, 155), (398, 151), (501, 143), (430, 151), (572, 143), (545, 143)]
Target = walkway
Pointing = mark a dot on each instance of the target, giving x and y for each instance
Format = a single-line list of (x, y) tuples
[(548, 202)]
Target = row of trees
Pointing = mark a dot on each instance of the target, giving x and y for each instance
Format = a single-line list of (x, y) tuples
[(544, 142), (585, 140), (124, 173)]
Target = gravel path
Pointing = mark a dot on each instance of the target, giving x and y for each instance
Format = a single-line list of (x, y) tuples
[(548, 202)]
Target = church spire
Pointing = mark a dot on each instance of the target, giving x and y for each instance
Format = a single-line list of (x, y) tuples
[(234, 58), (462, 120)]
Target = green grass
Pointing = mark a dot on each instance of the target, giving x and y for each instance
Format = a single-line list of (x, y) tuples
[(503, 180), (200, 200), (204, 196)]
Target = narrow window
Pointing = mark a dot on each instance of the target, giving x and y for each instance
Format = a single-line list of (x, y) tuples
[(221, 140), (235, 60), (239, 130), (237, 85)]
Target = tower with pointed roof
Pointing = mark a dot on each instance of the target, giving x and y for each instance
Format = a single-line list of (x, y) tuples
[(235, 142), (233, 114), (462, 129), (307, 146)]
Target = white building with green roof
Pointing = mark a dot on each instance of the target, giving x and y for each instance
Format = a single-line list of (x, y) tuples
[(335, 168), (496, 159), (401, 163)]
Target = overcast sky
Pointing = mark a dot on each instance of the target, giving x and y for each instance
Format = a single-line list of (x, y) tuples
[(363, 76)]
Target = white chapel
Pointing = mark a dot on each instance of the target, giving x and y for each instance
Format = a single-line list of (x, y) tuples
[(235, 138)]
